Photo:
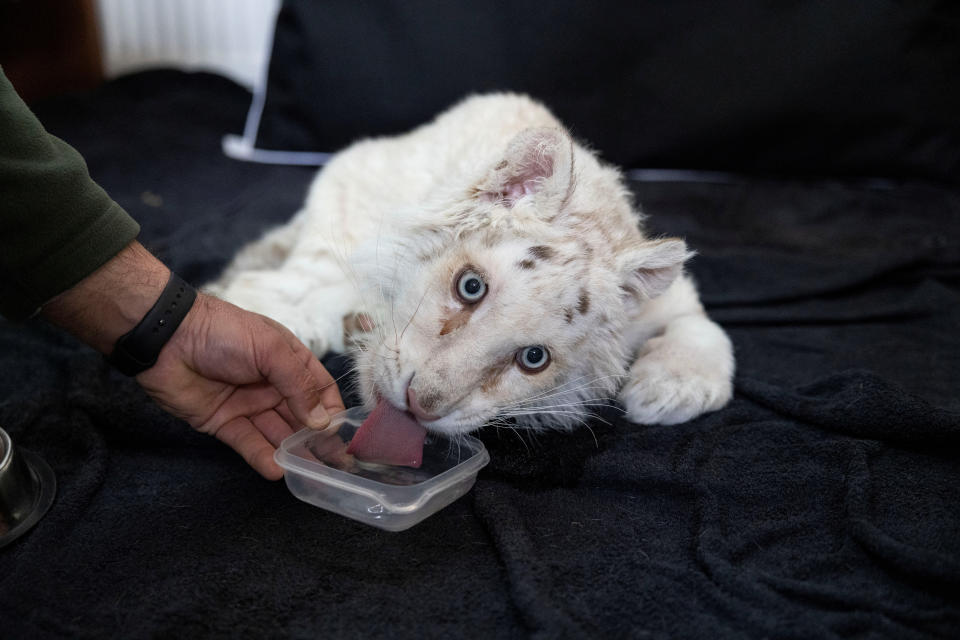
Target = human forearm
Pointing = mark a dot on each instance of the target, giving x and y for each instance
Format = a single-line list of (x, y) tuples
[(111, 300)]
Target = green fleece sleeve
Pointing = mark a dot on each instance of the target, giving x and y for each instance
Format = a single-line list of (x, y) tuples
[(56, 224)]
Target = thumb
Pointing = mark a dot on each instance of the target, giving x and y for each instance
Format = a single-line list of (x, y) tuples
[(309, 389)]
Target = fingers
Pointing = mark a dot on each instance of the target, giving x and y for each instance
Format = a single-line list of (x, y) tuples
[(252, 383), (329, 393), (287, 415), (248, 400), (310, 391), (242, 436), (273, 426)]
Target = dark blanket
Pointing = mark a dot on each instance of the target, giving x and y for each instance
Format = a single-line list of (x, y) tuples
[(823, 502)]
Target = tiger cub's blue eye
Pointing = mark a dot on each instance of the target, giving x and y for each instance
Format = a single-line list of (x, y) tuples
[(470, 286), (533, 359)]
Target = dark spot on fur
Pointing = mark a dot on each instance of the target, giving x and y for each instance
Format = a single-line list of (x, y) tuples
[(526, 264), (358, 323), (583, 302), (491, 377), (354, 325), (542, 252), (568, 315), (629, 289), (456, 321), (503, 164)]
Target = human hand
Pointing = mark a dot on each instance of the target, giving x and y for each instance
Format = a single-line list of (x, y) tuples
[(242, 378), (233, 374)]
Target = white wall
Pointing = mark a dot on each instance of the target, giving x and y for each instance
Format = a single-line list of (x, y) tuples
[(230, 37)]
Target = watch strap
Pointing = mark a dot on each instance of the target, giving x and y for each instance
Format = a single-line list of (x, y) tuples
[(138, 349)]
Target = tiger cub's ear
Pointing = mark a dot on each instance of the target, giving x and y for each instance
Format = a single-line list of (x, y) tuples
[(537, 164), (649, 268)]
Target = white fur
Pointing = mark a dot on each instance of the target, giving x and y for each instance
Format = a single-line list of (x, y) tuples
[(497, 184)]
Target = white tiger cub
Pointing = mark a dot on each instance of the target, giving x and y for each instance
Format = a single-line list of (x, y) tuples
[(498, 271)]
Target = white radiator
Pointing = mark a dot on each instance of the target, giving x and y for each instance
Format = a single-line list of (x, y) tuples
[(230, 37)]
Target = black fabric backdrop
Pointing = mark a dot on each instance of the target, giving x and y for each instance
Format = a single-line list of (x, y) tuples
[(821, 503), (776, 88)]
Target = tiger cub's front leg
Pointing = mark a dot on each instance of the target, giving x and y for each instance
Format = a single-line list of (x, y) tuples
[(684, 364)]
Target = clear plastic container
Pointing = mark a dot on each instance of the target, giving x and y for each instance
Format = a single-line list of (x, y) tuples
[(318, 470)]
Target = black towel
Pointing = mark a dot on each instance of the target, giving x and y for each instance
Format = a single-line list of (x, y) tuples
[(823, 502)]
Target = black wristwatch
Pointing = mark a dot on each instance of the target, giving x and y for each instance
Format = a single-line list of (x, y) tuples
[(138, 349)]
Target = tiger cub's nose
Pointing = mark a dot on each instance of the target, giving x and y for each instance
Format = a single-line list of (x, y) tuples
[(413, 405)]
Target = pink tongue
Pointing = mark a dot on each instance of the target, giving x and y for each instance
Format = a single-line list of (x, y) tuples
[(389, 436)]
